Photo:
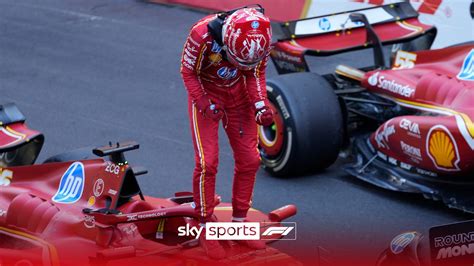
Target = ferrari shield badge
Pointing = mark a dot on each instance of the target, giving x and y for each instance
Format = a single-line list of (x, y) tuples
[(467, 69), (71, 185)]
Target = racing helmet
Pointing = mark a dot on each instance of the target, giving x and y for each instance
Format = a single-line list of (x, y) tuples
[(246, 36)]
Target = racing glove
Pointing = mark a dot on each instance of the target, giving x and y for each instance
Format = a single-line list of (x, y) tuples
[(208, 109), (263, 114)]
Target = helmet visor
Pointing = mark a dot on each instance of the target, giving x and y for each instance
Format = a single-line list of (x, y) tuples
[(241, 64)]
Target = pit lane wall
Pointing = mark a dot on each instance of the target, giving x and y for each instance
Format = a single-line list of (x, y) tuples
[(453, 18)]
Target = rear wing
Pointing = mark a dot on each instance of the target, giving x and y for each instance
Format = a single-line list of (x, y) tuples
[(334, 34)]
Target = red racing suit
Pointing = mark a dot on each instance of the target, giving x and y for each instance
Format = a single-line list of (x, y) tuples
[(205, 72)]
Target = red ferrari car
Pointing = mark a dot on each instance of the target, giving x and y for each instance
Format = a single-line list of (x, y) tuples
[(85, 207), (409, 125)]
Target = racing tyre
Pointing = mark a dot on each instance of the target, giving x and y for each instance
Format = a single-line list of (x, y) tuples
[(307, 133)]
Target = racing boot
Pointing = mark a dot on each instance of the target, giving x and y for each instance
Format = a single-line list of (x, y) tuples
[(253, 244), (213, 248)]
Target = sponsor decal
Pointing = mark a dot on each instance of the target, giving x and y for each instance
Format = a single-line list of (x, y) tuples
[(3, 213), (339, 22), (91, 201), (192, 48), (71, 185), (411, 151), (189, 57), (159, 234), (227, 73), (412, 128), (283, 108), (112, 192), (132, 218), (382, 135), (89, 221), (400, 242), (259, 105), (405, 166), (442, 149), (98, 187), (393, 161), (373, 79), (151, 215), (6, 177), (287, 57), (287, 62), (324, 24), (130, 229), (425, 172), (404, 60), (135, 217), (379, 81), (188, 53), (241, 231), (215, 59), (425, 6), (255, 24), (467, 69), (216, 48), (112, 168), (452, 244)]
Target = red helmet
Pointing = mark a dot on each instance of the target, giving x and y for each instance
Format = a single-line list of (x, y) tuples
[(247, 36)]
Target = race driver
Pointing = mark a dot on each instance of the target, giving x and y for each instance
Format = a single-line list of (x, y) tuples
[(223, 69)]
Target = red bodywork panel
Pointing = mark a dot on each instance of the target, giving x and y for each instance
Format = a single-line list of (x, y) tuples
[(42, 220), (14, 134), (439, 84)]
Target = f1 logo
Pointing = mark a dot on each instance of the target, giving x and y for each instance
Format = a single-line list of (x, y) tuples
[(280, 231)]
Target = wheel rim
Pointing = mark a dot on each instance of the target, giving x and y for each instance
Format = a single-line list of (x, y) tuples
[(272, 137)]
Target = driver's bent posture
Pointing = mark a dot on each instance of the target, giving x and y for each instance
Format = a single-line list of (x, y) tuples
[(223, 69)]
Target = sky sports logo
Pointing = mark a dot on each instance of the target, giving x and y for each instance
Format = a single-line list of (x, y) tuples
[(241, 231)]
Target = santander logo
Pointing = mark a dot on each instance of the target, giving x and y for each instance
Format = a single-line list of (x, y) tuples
[(373, 80), (379, 81)]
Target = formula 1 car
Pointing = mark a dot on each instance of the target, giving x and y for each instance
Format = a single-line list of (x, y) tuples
[(86, 208), (409, 126)]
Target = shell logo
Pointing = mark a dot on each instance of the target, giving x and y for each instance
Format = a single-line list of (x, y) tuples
[(442, 149)]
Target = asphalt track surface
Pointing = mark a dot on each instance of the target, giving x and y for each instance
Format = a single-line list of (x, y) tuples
[(86, 72)]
